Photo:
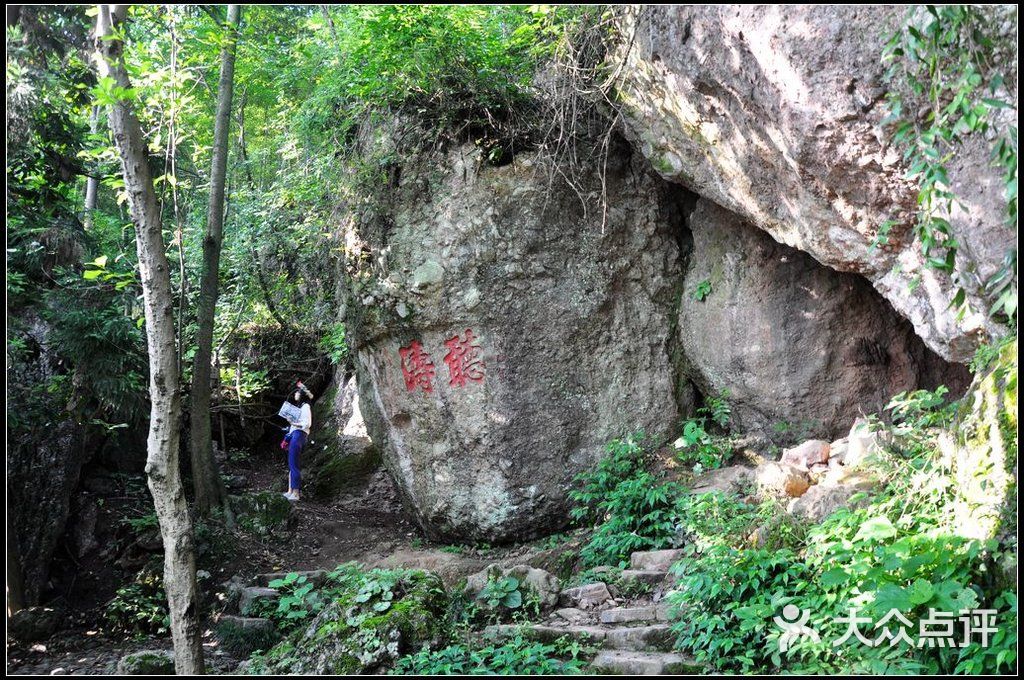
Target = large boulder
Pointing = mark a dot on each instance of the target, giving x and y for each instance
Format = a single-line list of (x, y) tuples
[(799, 347), (505, 326), (775, 112)]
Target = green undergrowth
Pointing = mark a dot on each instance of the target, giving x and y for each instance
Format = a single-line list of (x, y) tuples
[(515, 656), (905, 553), (355, 621)]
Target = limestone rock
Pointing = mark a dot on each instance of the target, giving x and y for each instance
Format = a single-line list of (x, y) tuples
[(981, 451), (811, 452), (778, 479), (586, 596), (333, 645), (627, 663), (535, 323), (571, 614), (654, 560), (542, 583), (820, 501), (242, 635), (775, 112), (794, 343), (250, 597), (734, 479), (42, 470)]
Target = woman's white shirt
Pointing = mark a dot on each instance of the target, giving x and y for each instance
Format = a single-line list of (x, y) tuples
[(306, 422)]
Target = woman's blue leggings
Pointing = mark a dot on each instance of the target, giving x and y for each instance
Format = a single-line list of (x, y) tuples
[(298, 440)]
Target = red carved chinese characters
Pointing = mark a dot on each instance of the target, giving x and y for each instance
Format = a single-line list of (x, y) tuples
[(463, 359), (417, 367)]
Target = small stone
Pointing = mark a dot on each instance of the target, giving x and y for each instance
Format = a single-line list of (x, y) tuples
[(586, 596), (837, 451), (250, 596), (821, 501), (811, 452), (778, 479), (402, 310), (654, 560), (571, 614), (817, 472), (629, 614)]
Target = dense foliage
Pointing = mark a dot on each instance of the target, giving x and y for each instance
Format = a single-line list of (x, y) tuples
[(900, 551)]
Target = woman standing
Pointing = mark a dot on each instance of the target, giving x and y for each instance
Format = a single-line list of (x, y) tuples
[(297, 436)]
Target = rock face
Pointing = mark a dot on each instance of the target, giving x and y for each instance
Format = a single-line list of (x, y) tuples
[(799, 347), (42, 472), (775, 113), (981, 451), (503, 333)]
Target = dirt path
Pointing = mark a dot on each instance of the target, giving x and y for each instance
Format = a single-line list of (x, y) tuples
[(364, 523)]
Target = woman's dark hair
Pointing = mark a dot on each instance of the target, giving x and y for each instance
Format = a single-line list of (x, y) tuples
[(302, 397)]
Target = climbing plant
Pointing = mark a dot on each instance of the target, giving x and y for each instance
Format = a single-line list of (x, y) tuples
[(948, 80)]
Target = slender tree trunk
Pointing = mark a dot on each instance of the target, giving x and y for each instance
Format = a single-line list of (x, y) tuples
[(92, 182), (206, 481), (162, 466)]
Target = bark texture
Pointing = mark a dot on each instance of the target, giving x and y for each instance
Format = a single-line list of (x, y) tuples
[(162, 464), (206, 481)]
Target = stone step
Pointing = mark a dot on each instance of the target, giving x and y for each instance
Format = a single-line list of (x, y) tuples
[(244, 635), (654, 560), (649, 576), (657, 637), (253, 594), (586, 596), (651, 612), (623, 662), (316, 577)]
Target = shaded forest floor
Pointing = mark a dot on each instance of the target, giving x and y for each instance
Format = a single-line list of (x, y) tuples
[(365, 523)]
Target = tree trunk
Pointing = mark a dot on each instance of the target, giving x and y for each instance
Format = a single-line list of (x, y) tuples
[(162, 466), (206, 481), (92, 182)]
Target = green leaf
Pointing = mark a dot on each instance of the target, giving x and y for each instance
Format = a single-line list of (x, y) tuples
[(876, 529), (920, 591)]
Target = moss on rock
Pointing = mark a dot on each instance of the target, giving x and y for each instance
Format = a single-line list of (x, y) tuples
[(349, 462), (147, 662), (376, 619)]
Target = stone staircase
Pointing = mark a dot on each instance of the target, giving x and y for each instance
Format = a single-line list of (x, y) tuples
[(634, 637)]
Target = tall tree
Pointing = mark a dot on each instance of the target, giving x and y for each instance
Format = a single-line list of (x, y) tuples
[(206, 481), (162, 466)]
